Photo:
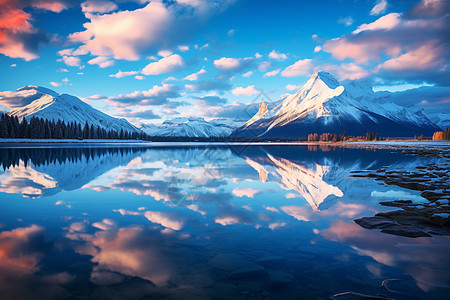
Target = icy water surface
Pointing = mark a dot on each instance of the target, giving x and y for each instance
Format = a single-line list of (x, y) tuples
[(260, 222)]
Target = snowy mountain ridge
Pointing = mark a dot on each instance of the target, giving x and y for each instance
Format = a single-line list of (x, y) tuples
[(47, 104), (323, 104)]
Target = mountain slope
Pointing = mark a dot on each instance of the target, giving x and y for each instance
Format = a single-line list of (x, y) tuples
[(47, 104), (324, 105)]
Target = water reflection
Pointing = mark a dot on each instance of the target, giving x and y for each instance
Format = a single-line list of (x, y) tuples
[(163, 222)]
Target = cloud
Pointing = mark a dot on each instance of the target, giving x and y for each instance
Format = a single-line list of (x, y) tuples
[(247, 74), (299, 212), (317, 49), (247, 91), (128, 34), (21, 249), (347, 21), (168, 220), (183, 48), (248, 192), (158, 95), (227, 63), (292, 87), (207, 101), (219, 85), (272, 73), (435, 98), (262, 66), (165, 65), (98, 6), (345, 71), (379, 8), (301, 67), (18, 37), (101, 61), (429, 9), (230, 32), (55, 84), (141, 114), (277, 55), (71, 61), (405, 47), (121, 74), (194, 76)]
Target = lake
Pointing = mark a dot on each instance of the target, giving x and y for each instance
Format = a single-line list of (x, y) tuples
[(207, 222)]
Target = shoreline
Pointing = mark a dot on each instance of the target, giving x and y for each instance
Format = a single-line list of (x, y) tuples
[(377, 144)]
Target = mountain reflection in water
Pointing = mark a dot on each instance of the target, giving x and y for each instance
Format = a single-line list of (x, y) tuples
[(205, 222)]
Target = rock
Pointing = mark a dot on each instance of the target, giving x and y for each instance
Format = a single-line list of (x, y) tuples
[(280, 278), (397, 203), (407, 231), (248, 272), (357, 296), (228, 261), (374, 222), (272, 261), (431, 196)]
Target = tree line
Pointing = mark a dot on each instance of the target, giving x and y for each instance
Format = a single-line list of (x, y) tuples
[(39, 128), (442, 135), (329, 137)]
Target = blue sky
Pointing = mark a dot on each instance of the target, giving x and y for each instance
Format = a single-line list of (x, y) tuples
[(149, 61)]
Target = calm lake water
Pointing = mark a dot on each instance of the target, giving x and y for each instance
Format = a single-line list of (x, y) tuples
[(259, 222)]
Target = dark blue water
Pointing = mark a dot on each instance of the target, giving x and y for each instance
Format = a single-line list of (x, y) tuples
[(272, 222)]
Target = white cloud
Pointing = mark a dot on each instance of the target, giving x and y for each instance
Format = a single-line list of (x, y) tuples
[(227, 63), (277, 55), (301, 67), (71, 61), (55, 84), (257, 55), (230, 32), (317, 49), (168, 64), (128, 34), (139, 77), (101, 61), (121, 74), (247, 91), (347, 21), (247, 74), (98, 6), (379, 8), (292, 87), (194, 76), (264, 65), (65, 52), (248, 192), (183, 48), (13, 65), (165, 53), (165, 219), (272, 73), (204, 46)]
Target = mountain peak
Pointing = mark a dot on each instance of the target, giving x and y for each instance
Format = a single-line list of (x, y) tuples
[(326, 78), (38, 89)]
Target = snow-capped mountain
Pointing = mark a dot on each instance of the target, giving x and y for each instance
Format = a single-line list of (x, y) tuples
[(47, 104), (440, 119), (191, 127), (325, 105)]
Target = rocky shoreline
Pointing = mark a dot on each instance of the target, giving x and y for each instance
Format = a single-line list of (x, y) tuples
[(433, 183)]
